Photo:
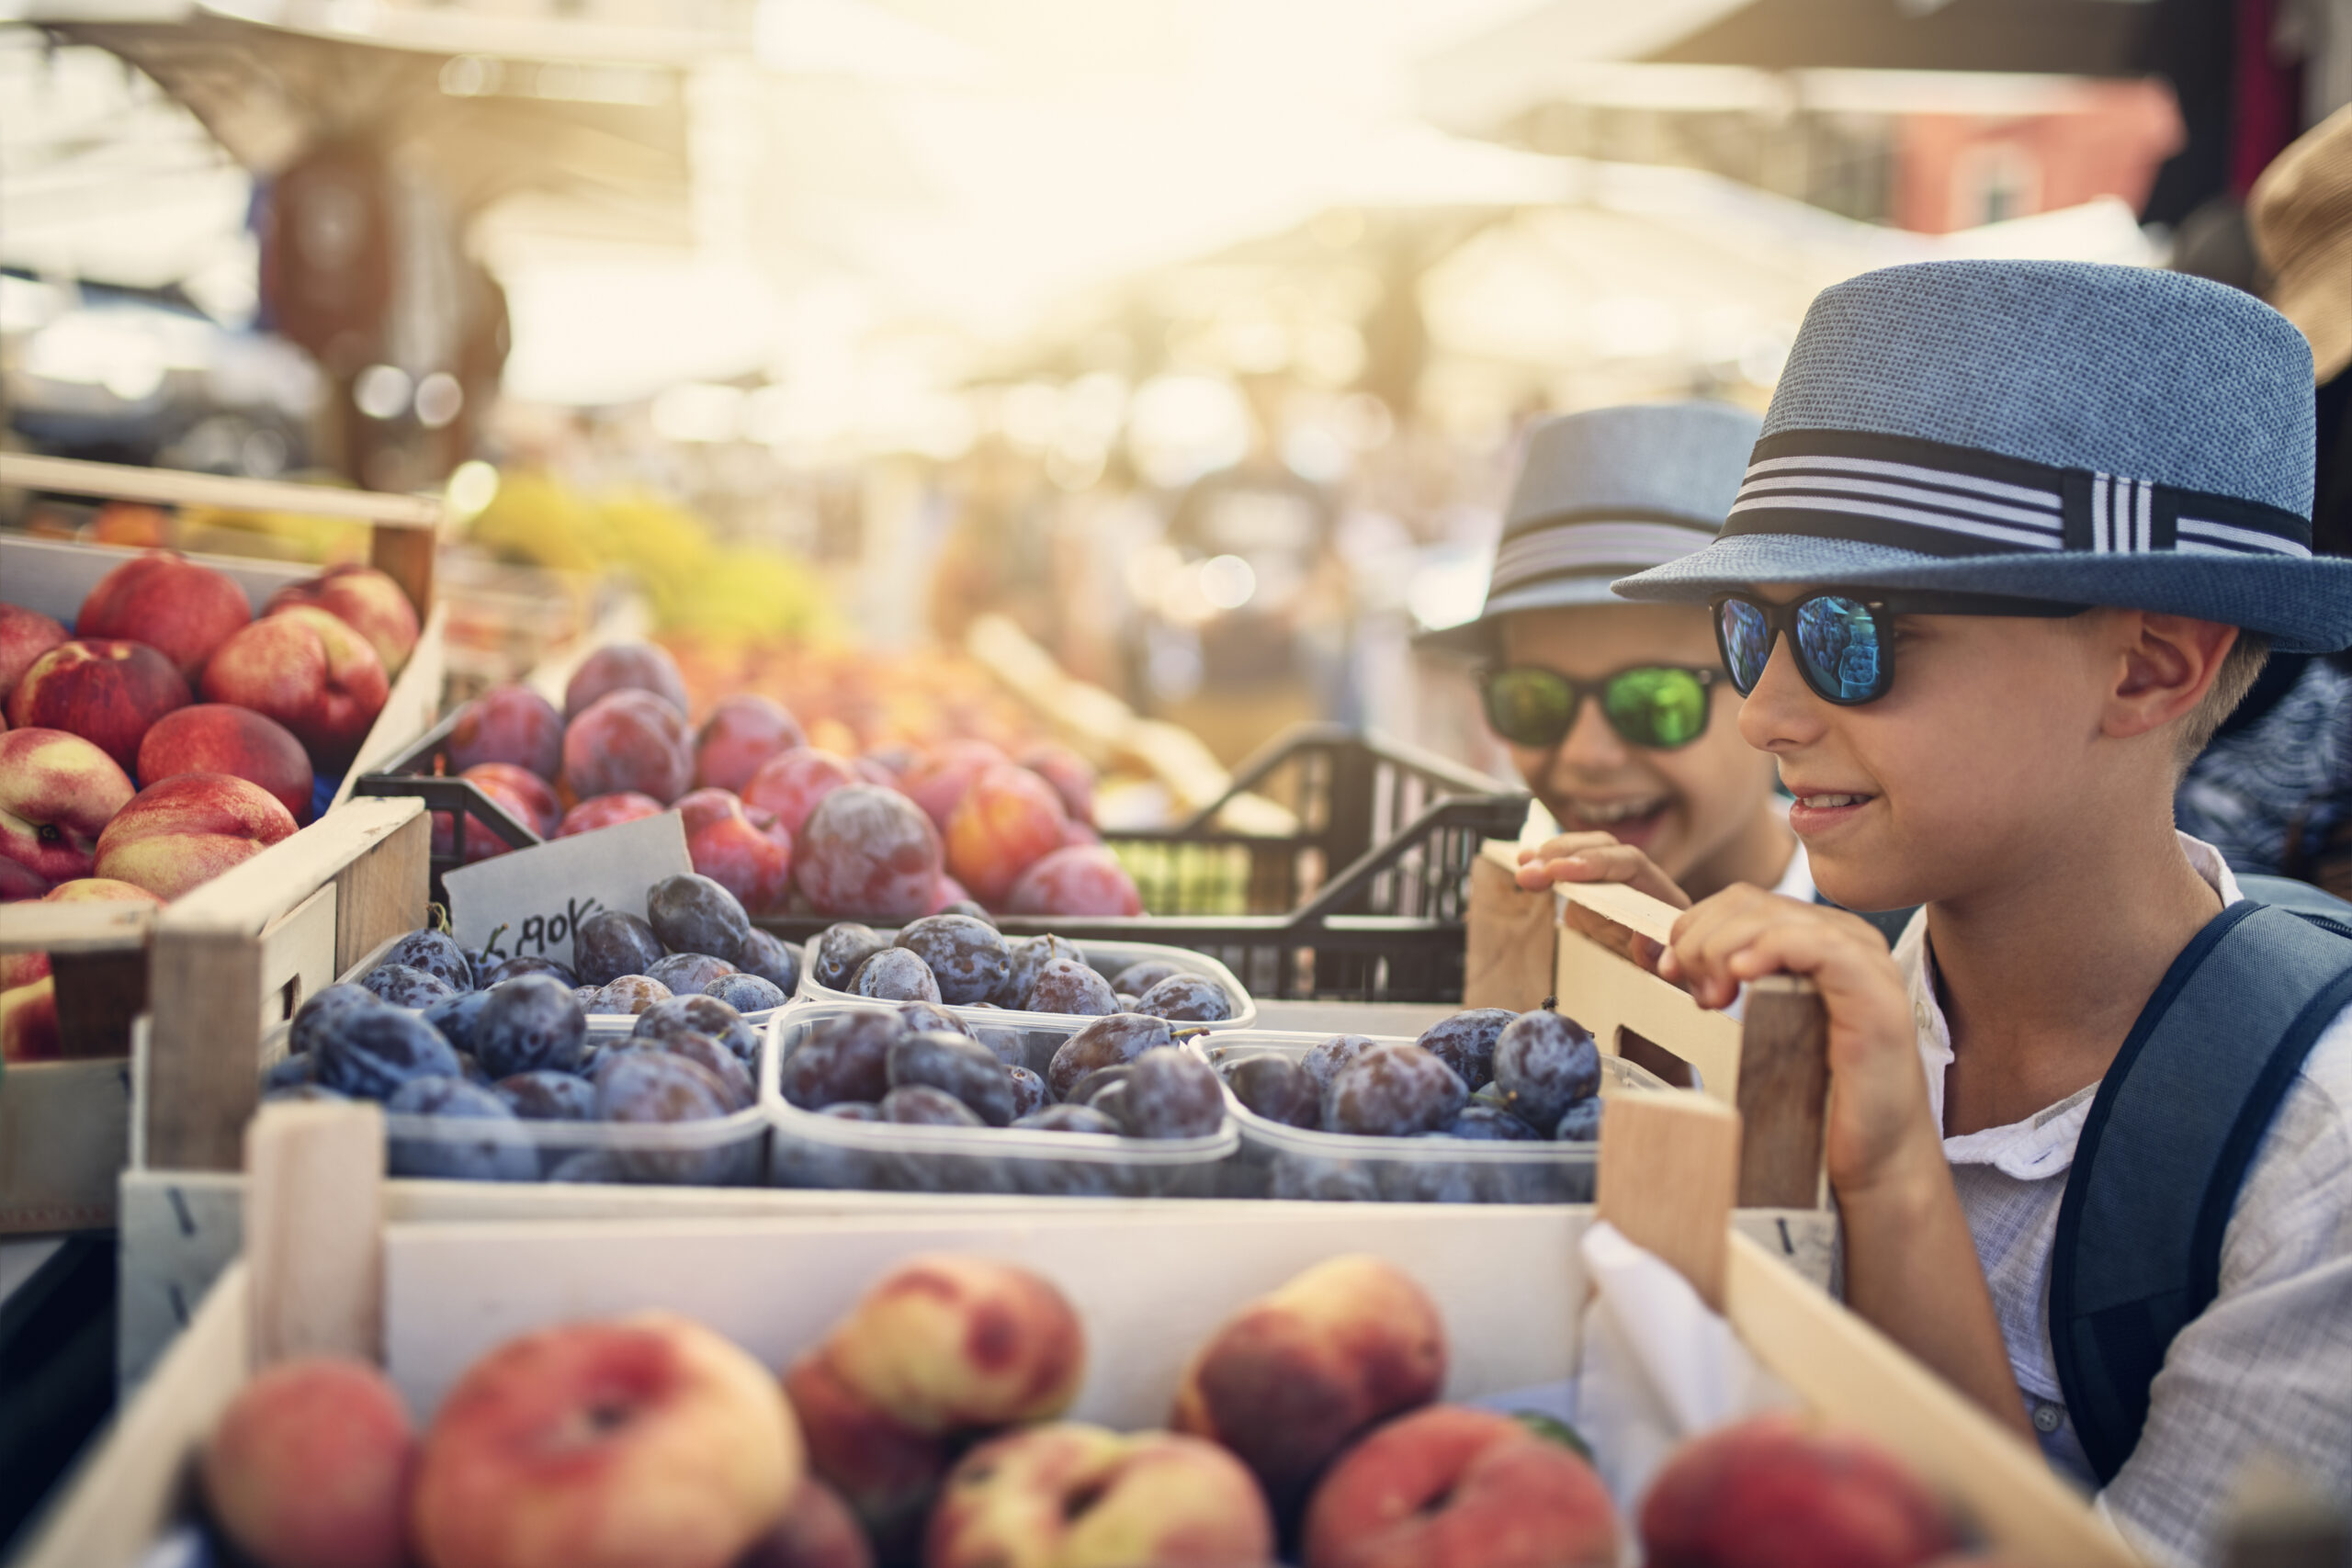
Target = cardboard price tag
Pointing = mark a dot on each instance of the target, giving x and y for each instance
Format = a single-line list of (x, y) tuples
[(540, 895)]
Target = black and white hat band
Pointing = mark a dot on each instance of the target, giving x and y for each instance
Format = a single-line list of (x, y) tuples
[(1592, 544), (1941, 500)]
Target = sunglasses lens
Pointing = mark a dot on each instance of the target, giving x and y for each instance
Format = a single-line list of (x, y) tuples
[(1837, 638), (1662, 708), (1529, 707), (1746, 642)]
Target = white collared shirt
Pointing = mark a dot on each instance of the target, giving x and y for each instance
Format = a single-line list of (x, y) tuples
[(2266, 1368)]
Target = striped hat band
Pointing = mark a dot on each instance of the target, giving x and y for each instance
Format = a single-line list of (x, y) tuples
[(1942, 500), (1607, 543)]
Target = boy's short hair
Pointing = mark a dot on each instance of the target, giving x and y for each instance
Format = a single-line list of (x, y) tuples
[(2241, 667)]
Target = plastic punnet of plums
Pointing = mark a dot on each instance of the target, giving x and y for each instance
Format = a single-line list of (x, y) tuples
[(311, 1018), (435, 953), (1028, 957), (1111, 1041), (746, 993), (611, 943), (1070, 1118), (529, 1023), (1062, 987), (1187, 998), (406, 987), (894, 975), (921, 1105), (1484, 1124), (1277, 1089), (1580, 1123), (1393, 1091), (693, 914), (699, 1014), (628, 994), (1466, 1043), (844, 1059), (959, 1064), (771, 959), (1029, 1092), (717, 1060), (495, 1150), (966, 956), (1142, 975), (1172, 1094), (837, 953), (868, 851), (1545, 1064)]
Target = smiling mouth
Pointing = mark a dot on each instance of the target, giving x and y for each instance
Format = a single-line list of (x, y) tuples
[(1831, 802), (1606, 814)]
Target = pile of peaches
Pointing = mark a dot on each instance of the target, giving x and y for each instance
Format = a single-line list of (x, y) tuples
[(928, 1428), (788, 827), (173, 735)]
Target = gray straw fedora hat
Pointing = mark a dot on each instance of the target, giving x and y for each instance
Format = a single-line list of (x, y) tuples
[(2048, 429), (1602, 493)]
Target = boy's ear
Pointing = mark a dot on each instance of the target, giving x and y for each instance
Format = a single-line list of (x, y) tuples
[(2168, 663)]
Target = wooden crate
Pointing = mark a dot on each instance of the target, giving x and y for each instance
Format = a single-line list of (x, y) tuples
[(325, 1271)]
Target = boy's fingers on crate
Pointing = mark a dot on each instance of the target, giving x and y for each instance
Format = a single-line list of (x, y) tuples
[(1619, 940), (1596, 857)]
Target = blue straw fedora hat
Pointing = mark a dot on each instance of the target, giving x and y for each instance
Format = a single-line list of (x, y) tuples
[(1604, 493), (2047, 430)]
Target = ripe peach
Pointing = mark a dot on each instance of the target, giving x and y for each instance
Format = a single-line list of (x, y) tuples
[(215, 737), (364, 599), (649, 1442), (28, 1022), (185, 831), (181, 608), (791, 783), (817, 1531), (25, 635), (870, 853), (1294, 1378), (509, 723), (527, 797), (311, 673), (625, 666), (742, 732), (606, 811), (309, 1467), (1770, 1494), (939, 780), (57, 794), (1071, 1495), (946, 1344), (1452, 1487), (24, 968), (107, 691), (628, 739), (1083, 879), (1069, 773), (885, 1473), (1008, 820), (729, 844)]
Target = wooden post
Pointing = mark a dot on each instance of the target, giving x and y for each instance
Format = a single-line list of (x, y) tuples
[(404, 554), (383, 893), (1512, 941), (1669, 1166), (314, 1221), (1783, 1094)]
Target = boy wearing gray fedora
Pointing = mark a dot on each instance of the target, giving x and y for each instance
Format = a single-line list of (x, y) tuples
[(2014, 541), (1618, 716)]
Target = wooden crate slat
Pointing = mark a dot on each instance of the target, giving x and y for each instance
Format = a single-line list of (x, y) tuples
[(177, 486)]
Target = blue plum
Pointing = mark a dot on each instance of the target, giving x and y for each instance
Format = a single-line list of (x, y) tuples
[(1187, 998), (312, 1016), (530, 1024), (768, 958), (547, 1097), (747, 992), (1545, 1064), (1171, 1093), (435, 953), (611, 943), (368, 1051), (701, 1015), (455, 1018), (687, 973), (695, 914), (495, 1150)]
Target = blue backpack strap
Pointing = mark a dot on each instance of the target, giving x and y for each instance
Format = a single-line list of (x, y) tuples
[(2172, 1132)]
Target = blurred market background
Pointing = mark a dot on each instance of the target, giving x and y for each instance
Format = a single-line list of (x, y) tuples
[(1170, 352)]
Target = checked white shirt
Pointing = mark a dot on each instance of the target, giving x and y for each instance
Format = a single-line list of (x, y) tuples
[(2267, 1368)]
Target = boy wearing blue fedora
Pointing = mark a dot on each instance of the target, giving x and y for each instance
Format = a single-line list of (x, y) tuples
[(2015, 540), (1618, 716)]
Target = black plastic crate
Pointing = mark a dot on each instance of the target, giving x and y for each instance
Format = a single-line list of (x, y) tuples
[(1361, 900)]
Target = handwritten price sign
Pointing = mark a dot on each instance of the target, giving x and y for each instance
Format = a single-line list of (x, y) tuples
[(540, 895)]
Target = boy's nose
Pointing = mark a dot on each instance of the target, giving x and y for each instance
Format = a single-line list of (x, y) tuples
[(1781, 713), (1592, 746)]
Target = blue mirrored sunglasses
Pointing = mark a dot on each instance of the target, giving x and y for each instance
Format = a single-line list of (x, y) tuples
[(1844, 638)]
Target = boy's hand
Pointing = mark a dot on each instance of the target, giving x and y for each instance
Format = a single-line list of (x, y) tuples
[(1881, 1136), (1596, 857)]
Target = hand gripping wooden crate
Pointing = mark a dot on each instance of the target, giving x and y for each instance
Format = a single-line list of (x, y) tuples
[(323, 1271)]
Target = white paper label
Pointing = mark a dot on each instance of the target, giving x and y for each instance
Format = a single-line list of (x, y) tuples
[(540, 896)]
